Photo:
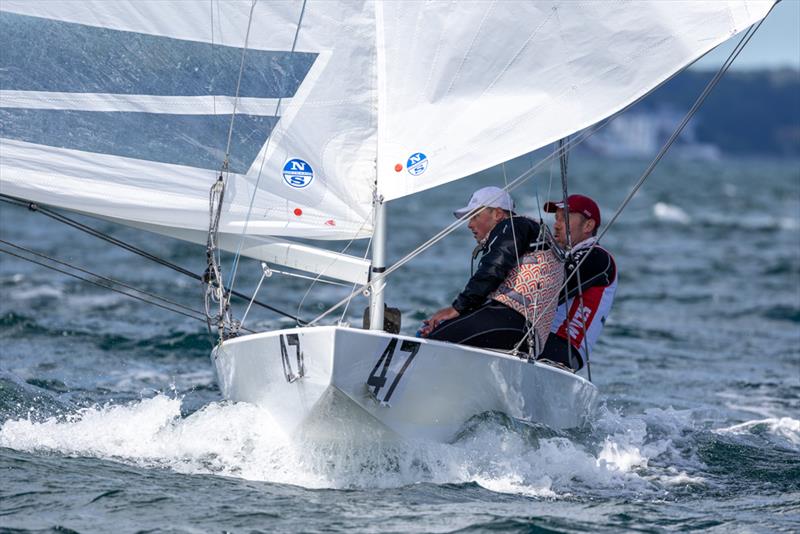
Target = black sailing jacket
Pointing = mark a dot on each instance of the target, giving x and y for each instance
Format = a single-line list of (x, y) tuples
[(499, 257)]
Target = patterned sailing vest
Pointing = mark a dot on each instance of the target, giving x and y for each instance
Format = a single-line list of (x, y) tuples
[(532, 289)]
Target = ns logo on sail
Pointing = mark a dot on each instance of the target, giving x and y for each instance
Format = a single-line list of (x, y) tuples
[(298, 173)]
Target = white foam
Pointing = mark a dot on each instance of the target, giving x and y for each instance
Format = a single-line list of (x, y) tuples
[(681, 478), (752, 221), (669, 213), (242, 440), (785, 429), (36, 292)]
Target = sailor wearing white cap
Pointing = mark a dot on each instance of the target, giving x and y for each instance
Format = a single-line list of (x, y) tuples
[(516, 279)]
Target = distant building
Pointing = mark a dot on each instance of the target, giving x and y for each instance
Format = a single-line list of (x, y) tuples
[(641, 134)]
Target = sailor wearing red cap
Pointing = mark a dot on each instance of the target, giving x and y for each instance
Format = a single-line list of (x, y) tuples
[(583, 310)]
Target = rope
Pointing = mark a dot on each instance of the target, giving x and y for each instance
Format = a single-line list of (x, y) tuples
[(213, 285), (126, 246)]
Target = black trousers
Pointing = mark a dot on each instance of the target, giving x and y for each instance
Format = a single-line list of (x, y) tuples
[(556, 350), (493, 325)]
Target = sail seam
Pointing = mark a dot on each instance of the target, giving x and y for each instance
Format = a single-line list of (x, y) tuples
[(143, 103)]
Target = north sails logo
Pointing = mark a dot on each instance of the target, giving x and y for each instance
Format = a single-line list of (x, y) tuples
[(140, 96), (417, 164), (298, 173)]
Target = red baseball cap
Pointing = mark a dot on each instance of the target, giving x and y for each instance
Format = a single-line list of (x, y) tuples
[(577, 204)]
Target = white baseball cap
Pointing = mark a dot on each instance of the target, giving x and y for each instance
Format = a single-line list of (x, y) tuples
[(488, 197)]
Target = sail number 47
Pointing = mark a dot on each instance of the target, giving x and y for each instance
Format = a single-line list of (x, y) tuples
[(385, 373)]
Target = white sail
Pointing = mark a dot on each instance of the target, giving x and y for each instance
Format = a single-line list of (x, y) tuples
[(474, 84), (121, 109)]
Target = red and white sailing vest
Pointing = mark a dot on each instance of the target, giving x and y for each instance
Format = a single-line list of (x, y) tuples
[(587, 312), (531, 288)]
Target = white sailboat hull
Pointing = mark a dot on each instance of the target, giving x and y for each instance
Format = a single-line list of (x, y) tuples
[(328, 380)]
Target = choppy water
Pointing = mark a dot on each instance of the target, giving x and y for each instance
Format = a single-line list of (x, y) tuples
[(110, 419)]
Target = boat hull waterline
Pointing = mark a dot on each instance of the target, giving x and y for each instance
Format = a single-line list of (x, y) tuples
[(329, 380)]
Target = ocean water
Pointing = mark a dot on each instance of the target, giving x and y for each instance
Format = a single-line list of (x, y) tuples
[(111, 420)]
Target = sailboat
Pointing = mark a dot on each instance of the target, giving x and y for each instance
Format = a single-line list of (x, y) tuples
[(248, 125)]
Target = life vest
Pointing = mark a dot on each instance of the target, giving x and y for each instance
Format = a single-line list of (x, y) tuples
[(584, 315), (531, 288)]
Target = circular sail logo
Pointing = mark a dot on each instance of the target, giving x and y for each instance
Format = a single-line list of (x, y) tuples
[(298, 173), (417, 163)]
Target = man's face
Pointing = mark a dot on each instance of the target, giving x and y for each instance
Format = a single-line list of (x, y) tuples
[(580, 228), (484, 221)]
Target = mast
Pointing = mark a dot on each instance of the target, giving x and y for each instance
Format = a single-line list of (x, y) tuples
[(376, 296)]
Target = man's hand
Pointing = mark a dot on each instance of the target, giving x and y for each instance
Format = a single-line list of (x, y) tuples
[(444, 314)]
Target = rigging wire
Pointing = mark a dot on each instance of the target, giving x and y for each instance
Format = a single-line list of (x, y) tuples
[(100, 277), (255, 293), (213, 48), (564, 160), (32, 206), (235, 265), (238, 84), (355, 284), (563, 156), (213, 283), (651, 167), (105, 282), (516, 250), (322, 272)]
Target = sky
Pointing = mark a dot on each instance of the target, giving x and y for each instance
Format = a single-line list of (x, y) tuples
[(775, 45)]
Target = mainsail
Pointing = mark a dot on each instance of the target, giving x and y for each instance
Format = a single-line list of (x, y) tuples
[(123, 109)]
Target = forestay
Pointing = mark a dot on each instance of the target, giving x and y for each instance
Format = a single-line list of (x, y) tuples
[(121, 109)]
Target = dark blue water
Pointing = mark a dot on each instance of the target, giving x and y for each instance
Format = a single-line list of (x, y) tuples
[(110, 418)]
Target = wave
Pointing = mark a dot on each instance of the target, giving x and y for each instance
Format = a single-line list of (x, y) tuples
[(618, 455), (779, 431), (190, 344), (32, 400), (669, 213), (758, 222)]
